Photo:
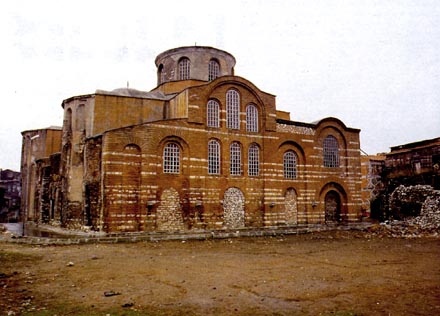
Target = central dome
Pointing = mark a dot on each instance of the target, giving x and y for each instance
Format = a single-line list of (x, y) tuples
[(193, 63)]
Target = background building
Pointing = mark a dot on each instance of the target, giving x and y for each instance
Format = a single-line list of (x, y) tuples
[(414, 163), (204, 149), (10, 194), (37, 147)]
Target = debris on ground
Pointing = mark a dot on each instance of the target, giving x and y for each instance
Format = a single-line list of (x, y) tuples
[(425, 224), (111, 293)]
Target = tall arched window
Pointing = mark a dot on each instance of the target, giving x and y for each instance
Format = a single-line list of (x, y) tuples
[(331, 152), (160, 74), (290, 164), (213, 69), (171, 158), (254, 160), (184, 68), (213, 157), (80, 119), (68, 121), (213, 113), (232, 109), (235, 159), (251, 118)]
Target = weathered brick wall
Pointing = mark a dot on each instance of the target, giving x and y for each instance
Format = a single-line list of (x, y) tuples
[(116, 181), (200, 195), (92, 183)]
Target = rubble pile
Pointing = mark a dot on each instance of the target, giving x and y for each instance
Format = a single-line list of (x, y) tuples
[(408, 200), (427, 221), (429, 218)]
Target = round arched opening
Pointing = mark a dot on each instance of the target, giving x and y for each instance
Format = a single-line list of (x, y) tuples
[(332, 202)]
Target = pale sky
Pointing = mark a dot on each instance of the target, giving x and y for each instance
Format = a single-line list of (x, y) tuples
[(373, 64)]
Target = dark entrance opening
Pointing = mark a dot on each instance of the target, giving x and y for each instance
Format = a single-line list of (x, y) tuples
[(332, 207)]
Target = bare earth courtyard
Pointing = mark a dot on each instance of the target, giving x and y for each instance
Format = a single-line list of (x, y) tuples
[(331, 273)]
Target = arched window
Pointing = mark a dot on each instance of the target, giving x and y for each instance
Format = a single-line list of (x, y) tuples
[(254, 160), (213, 69), (171, 158), (68, 121), (232, 109), (213, 113), (235, 159), (184, 65), (160, 74), (290, 164), (80, 119), (331, 152), (213, 157), (251, 118)]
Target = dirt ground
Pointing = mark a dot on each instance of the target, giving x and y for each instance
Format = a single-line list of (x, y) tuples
[(333, 273)]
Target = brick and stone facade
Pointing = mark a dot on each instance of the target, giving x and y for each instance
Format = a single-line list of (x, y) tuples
[(205, 149)]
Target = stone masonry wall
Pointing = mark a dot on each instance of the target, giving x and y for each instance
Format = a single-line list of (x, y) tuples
[(169, 212)]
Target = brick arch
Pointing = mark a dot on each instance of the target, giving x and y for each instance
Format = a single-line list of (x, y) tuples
[(333, 131), (338, 191), (127, 137), (239, 83), (184, 151), (233, 208), (236, 82), (337, 133), (169, 212), (332, 207), (298, 150), (173, 139), (284, 146)]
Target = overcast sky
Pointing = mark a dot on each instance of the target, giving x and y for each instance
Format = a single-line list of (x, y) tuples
[(373, 64)]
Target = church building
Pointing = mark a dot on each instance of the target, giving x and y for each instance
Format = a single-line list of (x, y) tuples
[(205, 149)]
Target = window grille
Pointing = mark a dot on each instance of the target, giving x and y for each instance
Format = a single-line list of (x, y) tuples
[(213, 69), (251, 118), (213, 157), (331, 152), (213, 114), (254, 160), (184, 65), (290, 165), (232, 109), (171, 158), (235, 159)]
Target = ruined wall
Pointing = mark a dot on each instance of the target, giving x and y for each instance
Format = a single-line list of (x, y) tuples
[(373, 184), (36, 144), (407, 201), (92, 183)]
